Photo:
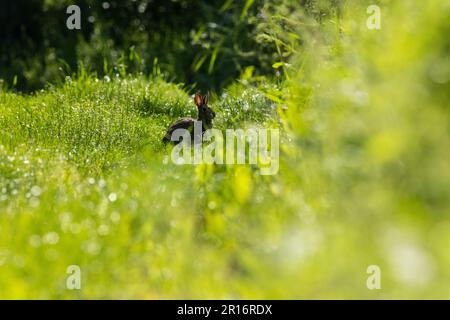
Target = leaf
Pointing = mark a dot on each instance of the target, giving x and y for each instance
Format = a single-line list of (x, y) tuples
[(199, 63), (213, 60), (273, 97), (226, 5), (247, 6), (277, 65), (248, 73)]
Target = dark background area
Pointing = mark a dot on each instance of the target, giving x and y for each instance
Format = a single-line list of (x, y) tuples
[(205, 43)]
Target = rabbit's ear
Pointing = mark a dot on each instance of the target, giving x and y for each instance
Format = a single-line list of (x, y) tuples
[(205, 99), (198, 99)]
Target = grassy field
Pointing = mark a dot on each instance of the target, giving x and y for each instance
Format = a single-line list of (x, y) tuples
[(364, 176)]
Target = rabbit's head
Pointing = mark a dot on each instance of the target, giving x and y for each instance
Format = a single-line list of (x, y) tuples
[(205, 113)]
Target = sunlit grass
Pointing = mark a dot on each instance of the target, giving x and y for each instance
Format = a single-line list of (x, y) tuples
[(364, 176)]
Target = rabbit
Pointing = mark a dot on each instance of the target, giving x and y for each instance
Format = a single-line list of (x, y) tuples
[(205, 116)]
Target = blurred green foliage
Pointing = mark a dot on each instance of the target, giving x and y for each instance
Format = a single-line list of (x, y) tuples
[(209, 43), (364, 174)]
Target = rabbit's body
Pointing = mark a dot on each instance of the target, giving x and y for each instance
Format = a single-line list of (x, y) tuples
[(183, 123), (205, 116)]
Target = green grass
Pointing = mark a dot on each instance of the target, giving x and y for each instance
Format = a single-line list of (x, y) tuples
[(83, 182), (364, 177)]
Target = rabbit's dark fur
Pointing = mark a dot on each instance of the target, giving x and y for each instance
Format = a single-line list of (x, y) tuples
[(205, 115)]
